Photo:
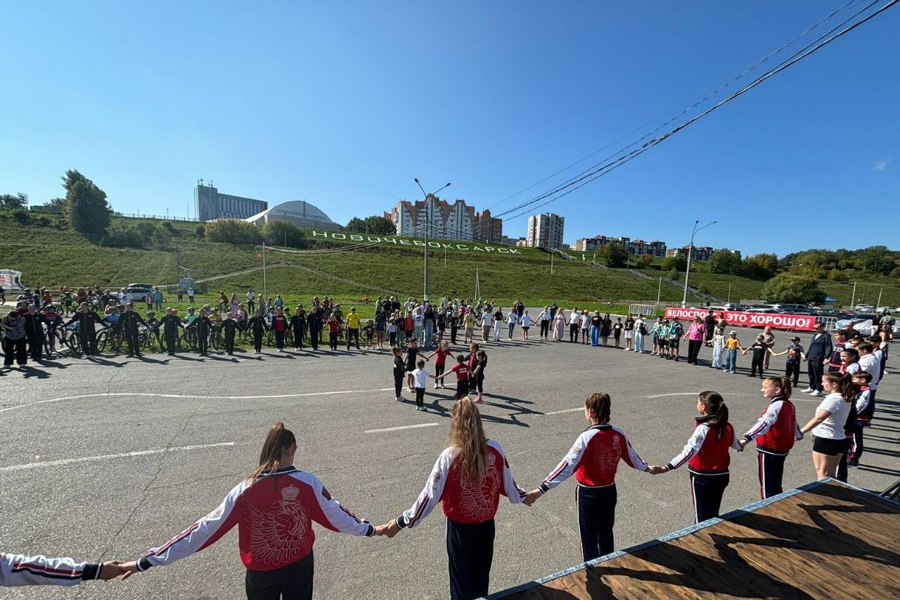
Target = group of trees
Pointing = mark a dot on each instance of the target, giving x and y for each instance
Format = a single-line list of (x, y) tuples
[(842, 265), (374, 225)]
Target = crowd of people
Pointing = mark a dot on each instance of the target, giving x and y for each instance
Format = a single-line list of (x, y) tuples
[(275, 505), (844, 369)]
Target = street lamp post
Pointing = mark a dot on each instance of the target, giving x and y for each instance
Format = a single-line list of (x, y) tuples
[(427, 222), (687, 271)]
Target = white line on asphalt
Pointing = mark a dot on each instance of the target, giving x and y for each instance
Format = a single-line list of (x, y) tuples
[(70, 461), (402, 427), (559, 412), (673, 394), (187, 396)]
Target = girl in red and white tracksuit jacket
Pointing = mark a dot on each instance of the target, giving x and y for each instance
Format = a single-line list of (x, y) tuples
[(706, 453), (16, 569), (774, 432), (594, 459), (467, 480), (274, 509)]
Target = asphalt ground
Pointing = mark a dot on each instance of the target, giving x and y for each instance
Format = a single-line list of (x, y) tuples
[(85, 471)]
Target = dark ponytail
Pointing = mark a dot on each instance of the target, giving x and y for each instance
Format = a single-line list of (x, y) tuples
[(277, 440), (844, 383), (598, 404), (716, 408)]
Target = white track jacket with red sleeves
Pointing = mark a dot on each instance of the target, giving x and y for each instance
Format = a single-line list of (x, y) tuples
[(273, 514), (16, 569), (463, 502), (594, 459)]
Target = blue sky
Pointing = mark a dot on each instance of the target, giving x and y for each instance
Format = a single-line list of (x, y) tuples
[(342, 104)]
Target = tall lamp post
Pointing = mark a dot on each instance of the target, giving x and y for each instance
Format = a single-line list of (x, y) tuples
[(687, 272), (427, 222)]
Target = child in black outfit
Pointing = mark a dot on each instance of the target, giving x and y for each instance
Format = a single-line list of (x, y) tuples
[(411, 352), (759, 349), (795, 354), (399, 372)]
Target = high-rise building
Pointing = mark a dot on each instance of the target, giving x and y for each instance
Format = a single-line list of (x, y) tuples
[(545, 231), (210, 204), (700, 253), (457, 221)]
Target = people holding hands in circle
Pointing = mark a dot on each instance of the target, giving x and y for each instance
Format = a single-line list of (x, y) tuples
[(594, 459), (706, 453), (18, 570), (467, 480)]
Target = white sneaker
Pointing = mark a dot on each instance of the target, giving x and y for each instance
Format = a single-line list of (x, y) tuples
[(817, 394), (808, 390)]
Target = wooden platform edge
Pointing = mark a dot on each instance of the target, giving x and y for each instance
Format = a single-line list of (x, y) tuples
[(685, 531)]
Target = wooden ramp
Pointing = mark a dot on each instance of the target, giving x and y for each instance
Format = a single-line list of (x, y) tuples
[(824, 541)]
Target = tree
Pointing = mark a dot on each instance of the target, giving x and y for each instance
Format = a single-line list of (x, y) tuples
[(877, 260), (232, 231), (10, 201), (644, 261), (675, 263), (725, 261), (613, 255), (760, 266), (86, 208), (57, 205), (374, 224), (282, 233), (788, 288)]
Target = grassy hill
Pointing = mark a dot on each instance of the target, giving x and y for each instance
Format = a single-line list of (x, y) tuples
[(51, 256)]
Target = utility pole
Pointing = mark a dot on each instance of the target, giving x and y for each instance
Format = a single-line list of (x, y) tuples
[(853, 296), (427, 219), (659, 290), (265, 287), (687, 271), (877, 304)]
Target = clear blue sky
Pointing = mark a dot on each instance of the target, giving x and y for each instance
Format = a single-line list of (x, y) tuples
[(343, 103)]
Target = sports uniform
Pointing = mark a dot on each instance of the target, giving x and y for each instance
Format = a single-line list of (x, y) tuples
[(594, 459), (774, 432), (470, 510), (274, 514), (706, 453), (16, 570)]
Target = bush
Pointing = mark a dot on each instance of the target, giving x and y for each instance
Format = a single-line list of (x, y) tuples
[(643, 262), (674, 263), (232, 231), (21, 215), (282, 233)]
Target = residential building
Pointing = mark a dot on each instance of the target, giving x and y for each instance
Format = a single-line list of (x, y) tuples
[(545, 231), (457, 221), (700, 252), (634, 247)]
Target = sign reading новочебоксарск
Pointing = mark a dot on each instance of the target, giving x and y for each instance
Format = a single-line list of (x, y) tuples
[(374, 239)]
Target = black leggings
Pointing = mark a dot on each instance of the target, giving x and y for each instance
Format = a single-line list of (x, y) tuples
[(596, 517), (398, 383), (291, 582), (706, 493), (792, 372), (470, 549), (545, 328)]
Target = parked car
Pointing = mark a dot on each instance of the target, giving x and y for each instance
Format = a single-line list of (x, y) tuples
[(139, 291)]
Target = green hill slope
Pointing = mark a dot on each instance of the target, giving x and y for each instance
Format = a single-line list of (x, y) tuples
[(49, 256)]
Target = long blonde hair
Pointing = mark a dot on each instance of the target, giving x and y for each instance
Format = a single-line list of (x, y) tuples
[(467, 436)]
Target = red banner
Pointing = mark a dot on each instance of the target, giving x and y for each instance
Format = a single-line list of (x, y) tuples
[(747, 319)]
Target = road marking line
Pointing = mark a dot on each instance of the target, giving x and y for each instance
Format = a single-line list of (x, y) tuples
[(674, 394), (71, 461), (402, 427), (187, 396), (559, 412)]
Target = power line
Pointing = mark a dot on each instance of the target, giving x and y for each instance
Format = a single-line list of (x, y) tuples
[(609, 164)]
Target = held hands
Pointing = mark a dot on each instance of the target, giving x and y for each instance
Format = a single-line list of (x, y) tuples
[(388, 529), (112, 569), (532, 497), (656, 469)]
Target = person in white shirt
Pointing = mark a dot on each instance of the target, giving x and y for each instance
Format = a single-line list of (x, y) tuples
[(420, 376), (827, 426), (487, 322), (511, 319), (870, 362), (526, 325), (640, 330)]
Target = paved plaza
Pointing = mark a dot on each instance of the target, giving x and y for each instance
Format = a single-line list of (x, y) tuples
[(106, 458)]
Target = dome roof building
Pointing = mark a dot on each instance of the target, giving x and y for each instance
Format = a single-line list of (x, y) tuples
[(297, 212)]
